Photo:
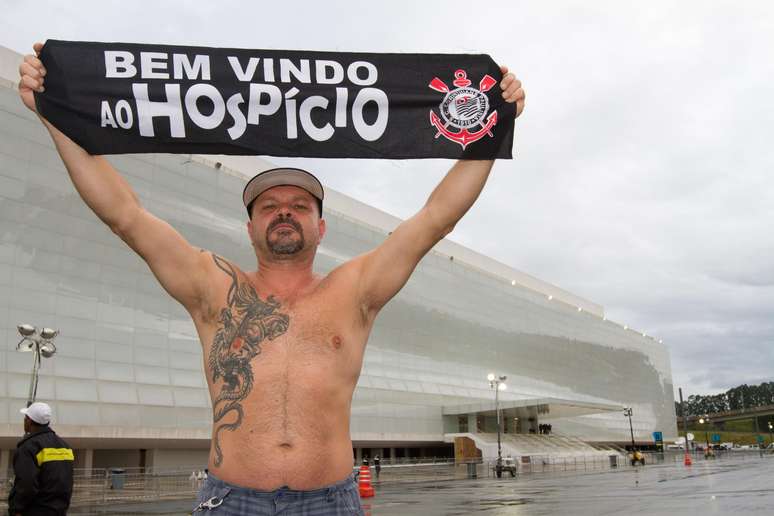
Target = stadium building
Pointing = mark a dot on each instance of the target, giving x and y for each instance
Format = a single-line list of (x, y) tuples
[(127, 384)]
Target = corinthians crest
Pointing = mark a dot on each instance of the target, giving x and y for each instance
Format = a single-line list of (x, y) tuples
[(463, 108)]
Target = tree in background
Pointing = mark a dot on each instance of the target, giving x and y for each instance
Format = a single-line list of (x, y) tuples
[(738, 398)]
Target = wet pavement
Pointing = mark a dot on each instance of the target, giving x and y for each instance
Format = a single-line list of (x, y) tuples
[(723, 487), (741, 487)]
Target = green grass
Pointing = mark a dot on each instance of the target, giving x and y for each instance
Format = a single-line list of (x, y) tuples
[(744, 425)]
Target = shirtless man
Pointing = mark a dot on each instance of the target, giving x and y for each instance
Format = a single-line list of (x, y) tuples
[(277, 445)]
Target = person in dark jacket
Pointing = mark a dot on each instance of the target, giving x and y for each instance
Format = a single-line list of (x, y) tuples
[(43, 466)]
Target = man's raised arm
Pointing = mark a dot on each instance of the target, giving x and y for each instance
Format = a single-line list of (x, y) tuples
[(178, 266), (386, 269)]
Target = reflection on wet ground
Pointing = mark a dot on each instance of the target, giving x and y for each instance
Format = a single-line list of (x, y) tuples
[(731, 486), (728, 487)]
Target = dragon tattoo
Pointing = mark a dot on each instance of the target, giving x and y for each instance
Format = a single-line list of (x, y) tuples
[(245, 324)]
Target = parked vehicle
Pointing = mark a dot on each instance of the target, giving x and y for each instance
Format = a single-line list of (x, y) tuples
[(509, 465)]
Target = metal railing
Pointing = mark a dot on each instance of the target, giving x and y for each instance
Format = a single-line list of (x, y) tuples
[(99, 486), (409, 461), (581, 463), (550, 464)]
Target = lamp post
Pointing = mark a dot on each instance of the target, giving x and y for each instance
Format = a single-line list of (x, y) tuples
[(758, 437), (687, 461), (771, 436), (40, 343), (702, 421), (498, 384), (628, 413)]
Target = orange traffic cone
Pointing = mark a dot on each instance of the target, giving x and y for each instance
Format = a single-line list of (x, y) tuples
[(364, 482), (687, 460)]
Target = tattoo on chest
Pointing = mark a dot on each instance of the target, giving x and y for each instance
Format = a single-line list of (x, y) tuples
[(246, 324)]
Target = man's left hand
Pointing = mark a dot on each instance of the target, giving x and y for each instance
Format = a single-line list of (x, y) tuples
[(512, 90)]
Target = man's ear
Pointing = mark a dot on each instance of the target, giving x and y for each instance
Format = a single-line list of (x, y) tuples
[(250, 232), (322, 228)]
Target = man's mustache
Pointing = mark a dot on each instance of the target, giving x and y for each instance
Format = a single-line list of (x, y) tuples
[(284, 220)]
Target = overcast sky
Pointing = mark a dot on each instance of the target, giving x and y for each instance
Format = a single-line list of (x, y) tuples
[(643, 171)]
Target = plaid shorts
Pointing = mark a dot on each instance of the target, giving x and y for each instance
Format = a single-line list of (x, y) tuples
[(218, 498)]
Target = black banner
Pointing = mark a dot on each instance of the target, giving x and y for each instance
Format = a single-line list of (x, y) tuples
[(116, 98)]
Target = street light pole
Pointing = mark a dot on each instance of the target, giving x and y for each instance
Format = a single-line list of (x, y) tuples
[(497, 411), (498, 384), (40, 343), (771, 436), (628, 412), (705, 421), (687, 461), (758, 437)]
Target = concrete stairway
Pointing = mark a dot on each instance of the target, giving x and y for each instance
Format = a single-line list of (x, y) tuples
[(518, 445)]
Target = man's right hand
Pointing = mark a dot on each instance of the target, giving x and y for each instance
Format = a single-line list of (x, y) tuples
[(32, 74)]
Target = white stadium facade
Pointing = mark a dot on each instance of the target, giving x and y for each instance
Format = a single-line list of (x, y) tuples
[(127, 385)]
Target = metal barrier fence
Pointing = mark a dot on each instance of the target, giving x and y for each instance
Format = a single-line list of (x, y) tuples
[(107, 486), (549, 464), (552, 464), (133, 484)]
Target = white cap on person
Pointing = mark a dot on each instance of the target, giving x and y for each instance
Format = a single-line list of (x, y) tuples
[(39, 412)]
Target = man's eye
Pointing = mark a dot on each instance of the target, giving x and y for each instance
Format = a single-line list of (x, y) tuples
[(268, 207), (300, 207)]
